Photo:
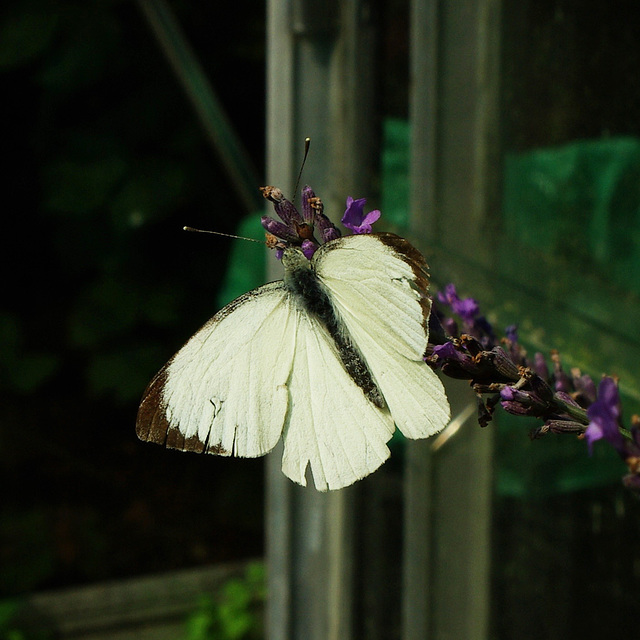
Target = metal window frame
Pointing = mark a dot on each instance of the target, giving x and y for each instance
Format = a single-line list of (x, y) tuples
[(319, 81)]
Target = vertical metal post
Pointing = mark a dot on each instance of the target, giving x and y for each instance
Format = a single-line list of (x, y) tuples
[(318, 85), (455, 181)]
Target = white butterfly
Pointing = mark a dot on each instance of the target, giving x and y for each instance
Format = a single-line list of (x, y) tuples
[(330, 359)]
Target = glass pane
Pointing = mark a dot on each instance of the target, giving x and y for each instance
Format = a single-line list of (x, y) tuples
[(566, 554)]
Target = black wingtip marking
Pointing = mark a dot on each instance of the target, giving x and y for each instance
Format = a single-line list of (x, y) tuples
[(407, 252), (152, 424)]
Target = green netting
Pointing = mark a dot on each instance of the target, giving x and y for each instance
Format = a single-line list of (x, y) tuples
[(395, 171), (580, 201)]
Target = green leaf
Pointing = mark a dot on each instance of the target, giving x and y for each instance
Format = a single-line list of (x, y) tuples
[(247, 262), (8, 609)]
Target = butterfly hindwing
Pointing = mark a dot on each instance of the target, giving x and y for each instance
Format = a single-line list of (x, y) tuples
[(332, 425)]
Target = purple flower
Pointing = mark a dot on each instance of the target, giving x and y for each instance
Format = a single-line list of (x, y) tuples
[(354, 217), (313, 213), (447, 351), (279, 229), (454, 360), (309, 204), (308, 249), (297, 229), (562, 382), (523, 402), (448, 295), (466, 308), (510, 394), (585, 387), (511, 333), (540, 366), (603, 417)]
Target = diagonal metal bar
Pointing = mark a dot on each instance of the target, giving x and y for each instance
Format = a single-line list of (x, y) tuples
[(202, 95)]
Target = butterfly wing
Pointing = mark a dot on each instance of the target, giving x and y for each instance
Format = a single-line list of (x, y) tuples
[(378, 285), (332, 426), (225, 391), (260, 366)]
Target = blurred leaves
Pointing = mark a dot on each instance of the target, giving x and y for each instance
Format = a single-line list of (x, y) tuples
[(10, 627), (118, 165), (149, 193), (107, 163), (234, 614), (78, 187), (28, 553), (19, 369)]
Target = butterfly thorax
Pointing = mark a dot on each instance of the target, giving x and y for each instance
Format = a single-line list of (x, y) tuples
[(301, 280)]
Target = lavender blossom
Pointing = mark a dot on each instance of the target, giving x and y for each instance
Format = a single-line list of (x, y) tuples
[(297, 229), (603, 417), (467, 309), (354, 217), (505, 377)]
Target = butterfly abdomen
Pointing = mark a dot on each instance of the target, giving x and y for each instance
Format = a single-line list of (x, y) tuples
[(302, 281)]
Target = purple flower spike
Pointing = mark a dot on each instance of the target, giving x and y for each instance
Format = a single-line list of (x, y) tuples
[(449, 295), (562, 382), (466, 308), (286, 210), (327, 229), (540, 366), (298, 230), (603, 417), (509, 394), (522, 403), (354, 217), (585, 387)]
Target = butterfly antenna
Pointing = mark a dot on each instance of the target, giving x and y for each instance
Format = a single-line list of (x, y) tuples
[(218, 233), (307, 144)]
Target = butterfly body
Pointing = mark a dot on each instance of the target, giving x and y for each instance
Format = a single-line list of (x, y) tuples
[(330, 359), (301, 280)]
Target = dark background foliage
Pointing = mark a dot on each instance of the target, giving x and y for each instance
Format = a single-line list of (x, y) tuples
[(105, 161)]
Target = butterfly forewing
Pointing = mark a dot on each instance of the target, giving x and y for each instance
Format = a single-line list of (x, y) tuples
[(226, 389), (378, 284)]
